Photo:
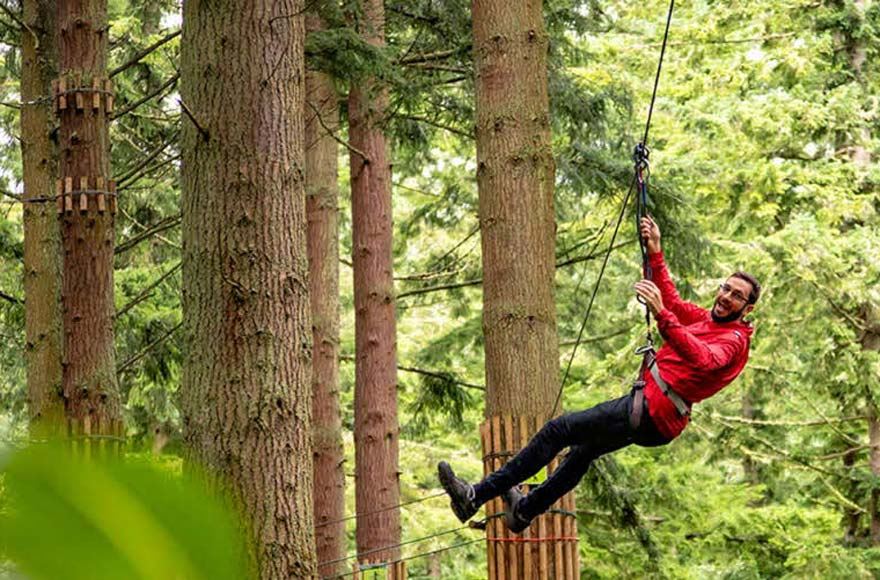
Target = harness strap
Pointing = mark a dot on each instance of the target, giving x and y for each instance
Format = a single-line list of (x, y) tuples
[(681, 404)]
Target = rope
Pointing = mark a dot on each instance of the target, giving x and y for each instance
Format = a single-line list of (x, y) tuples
[(592, 300), (659, 66), (413, 557), (534, 540), (378, 511), (640, 178), (383, 548)]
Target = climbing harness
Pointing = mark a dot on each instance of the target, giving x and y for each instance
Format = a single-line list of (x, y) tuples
[(641, 172)]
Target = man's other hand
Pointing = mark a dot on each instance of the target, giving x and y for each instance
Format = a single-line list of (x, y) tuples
[(651, 294), (650, 232)]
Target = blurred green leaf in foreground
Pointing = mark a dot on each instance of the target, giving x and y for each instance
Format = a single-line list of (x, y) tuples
[(65, 518)]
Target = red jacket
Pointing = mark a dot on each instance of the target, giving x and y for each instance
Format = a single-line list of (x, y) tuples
[(699, 356)]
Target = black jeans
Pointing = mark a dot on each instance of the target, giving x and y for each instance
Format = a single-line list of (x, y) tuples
[(590, 434)]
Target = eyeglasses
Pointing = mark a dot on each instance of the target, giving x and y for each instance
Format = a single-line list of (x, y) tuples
[(735, 294)]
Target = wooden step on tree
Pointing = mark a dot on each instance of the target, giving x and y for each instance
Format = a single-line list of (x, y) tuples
[(548, 548), (369, 570)]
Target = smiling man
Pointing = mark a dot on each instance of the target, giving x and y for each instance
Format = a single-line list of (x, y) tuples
[(704, 350)]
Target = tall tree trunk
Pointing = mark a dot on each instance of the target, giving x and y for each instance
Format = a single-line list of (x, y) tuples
[(515, 176), (89, 367), (376, 430), (246, 385), (322, 195), (42, 235)]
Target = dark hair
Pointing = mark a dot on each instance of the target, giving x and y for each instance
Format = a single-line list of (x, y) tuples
[(756, 286)]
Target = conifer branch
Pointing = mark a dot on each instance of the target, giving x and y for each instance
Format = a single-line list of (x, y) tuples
[(10, 298), (146, 350), (147, 292), (144, 53), (332, 134), (170, 82), (150, 231)]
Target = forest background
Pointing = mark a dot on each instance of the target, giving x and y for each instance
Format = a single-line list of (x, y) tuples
[(763, 143)]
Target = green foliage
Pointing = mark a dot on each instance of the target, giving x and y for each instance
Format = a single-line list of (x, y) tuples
[(759, 113), (70, 518)]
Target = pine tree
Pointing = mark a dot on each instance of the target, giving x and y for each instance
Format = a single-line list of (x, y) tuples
[(376, 429), (246, 385), (322, 194), (89, 362), (42, 234)]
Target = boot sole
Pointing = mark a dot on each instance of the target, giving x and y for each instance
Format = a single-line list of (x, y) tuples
[(447, 481)]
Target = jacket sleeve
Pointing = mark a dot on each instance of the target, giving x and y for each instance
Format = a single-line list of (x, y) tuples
[(703, 355), (686, 312)]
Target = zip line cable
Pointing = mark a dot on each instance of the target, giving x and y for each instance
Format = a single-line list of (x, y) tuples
[(639, 178), (378, 511), (413, 557), (383, 548)]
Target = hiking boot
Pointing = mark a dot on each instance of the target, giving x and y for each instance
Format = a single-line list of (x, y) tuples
[(460, 492), (512, 519)]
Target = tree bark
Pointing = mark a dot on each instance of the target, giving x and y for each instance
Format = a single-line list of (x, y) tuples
[(376, 432), (42, 235), (515, 176), (89, 367), (246, 385), (322, 195)]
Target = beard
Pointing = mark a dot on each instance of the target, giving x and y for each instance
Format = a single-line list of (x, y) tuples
[(730, 317)]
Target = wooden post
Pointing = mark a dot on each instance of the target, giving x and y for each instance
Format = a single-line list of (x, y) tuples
[(527, 556), (524, 433), (486, 438)]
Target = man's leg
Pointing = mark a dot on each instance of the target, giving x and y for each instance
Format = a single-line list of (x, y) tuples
[(605, 422), (599, 430)]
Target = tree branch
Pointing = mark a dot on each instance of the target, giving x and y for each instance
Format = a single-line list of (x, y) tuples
[(445, 377), (810, 423), (427, 121), (143, 163), (431, 56), (143, 53), (10, 298), (146, 292), (127, 364), (146, 98), (19, 22), (478, 281), (336, 138), (426, 373), (157, 228)]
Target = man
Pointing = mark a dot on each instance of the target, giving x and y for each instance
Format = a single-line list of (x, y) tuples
[(704, 350)]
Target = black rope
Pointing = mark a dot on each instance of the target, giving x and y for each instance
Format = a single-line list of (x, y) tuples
[(392, 546), (414, 556), (378, 511), (659, 66), (640, 178), (592, 299)]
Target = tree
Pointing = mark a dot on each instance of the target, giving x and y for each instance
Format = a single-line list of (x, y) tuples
[(376, 429), (515, 176), (88, 206), (246, 385), (42, 234), (322, 193)]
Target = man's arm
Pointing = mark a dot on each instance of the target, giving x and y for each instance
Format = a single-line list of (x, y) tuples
[(701, 354), (687, 312)]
